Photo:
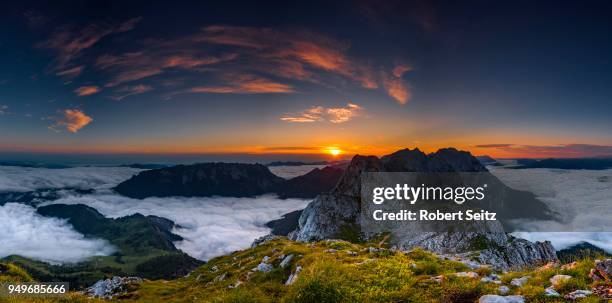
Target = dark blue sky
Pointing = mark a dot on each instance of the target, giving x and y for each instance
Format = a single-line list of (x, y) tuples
[(506, 78)]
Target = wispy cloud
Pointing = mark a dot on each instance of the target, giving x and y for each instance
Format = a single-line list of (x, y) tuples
[(72, 119), (400, 69), (69, 43), (87, 90), (495, 145), (127, 91), (245, 84), (71, 72), (320, 113), (3, 109)]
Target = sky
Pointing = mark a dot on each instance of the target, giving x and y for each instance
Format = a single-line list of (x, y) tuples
[(507, 79)]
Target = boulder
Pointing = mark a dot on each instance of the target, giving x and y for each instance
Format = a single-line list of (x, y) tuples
[(578, 294), (518, 282), (602, 270), (286, 261), (109, 288), (503, 290), (294, 275), (469, 274), (501, 299), (551, 292)]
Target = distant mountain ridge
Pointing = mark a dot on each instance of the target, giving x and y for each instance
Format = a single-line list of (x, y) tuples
[(226, 179), (566, 163)]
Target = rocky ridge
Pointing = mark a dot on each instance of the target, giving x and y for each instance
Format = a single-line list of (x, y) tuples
[(337, 214)]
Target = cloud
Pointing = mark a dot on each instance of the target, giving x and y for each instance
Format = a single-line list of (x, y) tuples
[(210, 226), (71, 72), (397, 89), (72, 119), (28, 234), (580, 199), (3, 109), (291, 52), (132, 90), (331, 114), (245, 84), (69, 44), (401, 69), (496, 145), (554, 151), (86, 90), (24, 179)]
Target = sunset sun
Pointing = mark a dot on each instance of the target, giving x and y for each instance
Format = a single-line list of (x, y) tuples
[(334, 151)]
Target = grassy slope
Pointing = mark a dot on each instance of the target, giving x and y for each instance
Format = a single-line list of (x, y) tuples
[(383, 276)]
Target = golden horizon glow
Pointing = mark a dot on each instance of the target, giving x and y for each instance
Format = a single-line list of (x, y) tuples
[(334, 151)]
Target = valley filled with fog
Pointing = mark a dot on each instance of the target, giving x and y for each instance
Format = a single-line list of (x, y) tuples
[(219, 225)]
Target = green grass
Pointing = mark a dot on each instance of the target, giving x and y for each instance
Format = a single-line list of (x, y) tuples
[(339, 276)]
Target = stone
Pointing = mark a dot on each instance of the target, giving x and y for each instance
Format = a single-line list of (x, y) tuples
[(469, 274), (492, 278), (518, 282), (109, 288), (551, 292), (331, 250), (602, 270), (557, 280), (578, 294), (501, 299), (503, 290), (264, 267), (351, 253), (294, 275), (286, 261), (438, 279)]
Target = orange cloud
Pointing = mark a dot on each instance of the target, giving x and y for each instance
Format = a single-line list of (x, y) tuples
[(72, 119), (133, 75), (246, 85), (87, 90), (397, 89), (331, 114), (401, 69)]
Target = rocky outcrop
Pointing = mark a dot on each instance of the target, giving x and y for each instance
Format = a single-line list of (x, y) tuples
[(337, 214), (109, 288), (228, 180)]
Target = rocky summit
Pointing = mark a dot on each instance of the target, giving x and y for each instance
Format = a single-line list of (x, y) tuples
[(337, 214)]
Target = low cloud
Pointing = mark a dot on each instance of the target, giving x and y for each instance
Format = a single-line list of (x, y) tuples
[(210, 226), (71, 119), (24, 179), (578, 197), (554, 151), (245, 84), (331, 114), (86, 90), (28, 234), (3, 109)]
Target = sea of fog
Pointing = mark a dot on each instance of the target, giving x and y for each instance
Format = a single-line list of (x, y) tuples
[(210, 226), (582, 199), (216, 226)]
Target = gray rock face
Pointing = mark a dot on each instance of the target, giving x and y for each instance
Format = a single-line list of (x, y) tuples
[(337, 214), (109, 288)]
